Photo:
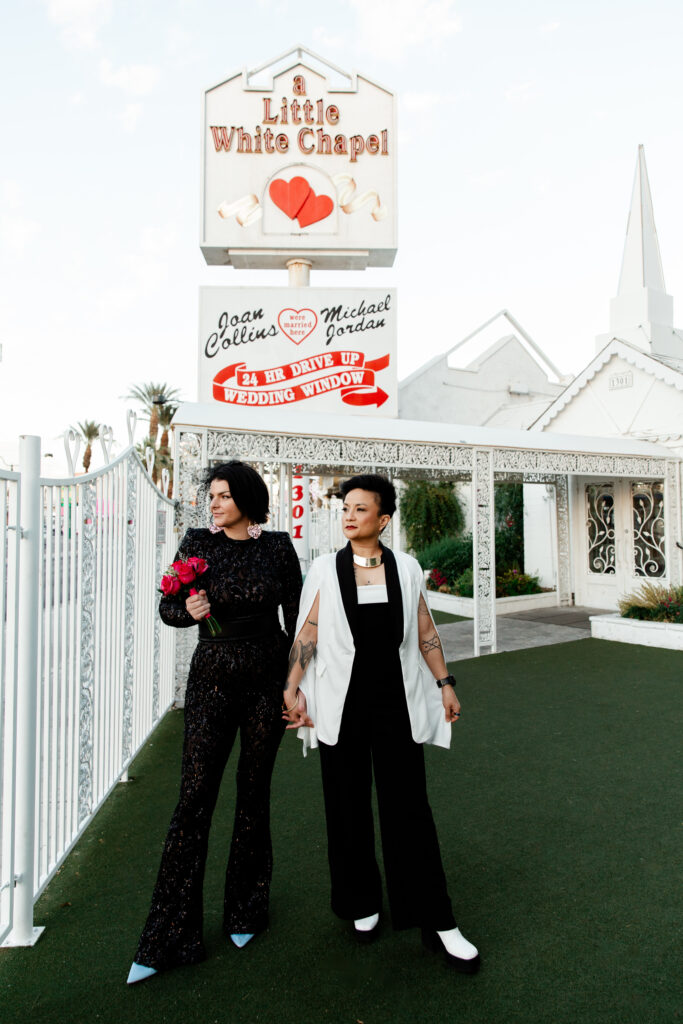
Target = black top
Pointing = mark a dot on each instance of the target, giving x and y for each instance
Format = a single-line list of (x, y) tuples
[(245, 577), (349, 591)]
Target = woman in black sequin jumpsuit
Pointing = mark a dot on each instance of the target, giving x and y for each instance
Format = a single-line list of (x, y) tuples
[(235, 683)]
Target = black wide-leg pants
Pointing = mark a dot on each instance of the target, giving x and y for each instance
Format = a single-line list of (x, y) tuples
[(214, 713), (375, 737)]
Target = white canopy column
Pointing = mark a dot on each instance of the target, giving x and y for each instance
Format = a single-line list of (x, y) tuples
[(484, 552)]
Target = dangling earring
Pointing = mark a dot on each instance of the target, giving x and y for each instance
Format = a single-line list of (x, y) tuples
[(254, 530), (213, 528)]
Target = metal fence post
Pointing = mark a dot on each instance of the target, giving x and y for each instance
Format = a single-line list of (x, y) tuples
[(23, 932)]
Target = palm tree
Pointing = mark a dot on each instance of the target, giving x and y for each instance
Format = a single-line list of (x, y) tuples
[(152, 397), (164, 461), (89, 431), (166, 413)]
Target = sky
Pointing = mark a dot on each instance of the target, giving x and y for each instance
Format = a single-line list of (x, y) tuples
[(518, 133)]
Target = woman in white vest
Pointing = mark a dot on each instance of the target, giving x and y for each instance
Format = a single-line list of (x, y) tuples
[(368, 685)]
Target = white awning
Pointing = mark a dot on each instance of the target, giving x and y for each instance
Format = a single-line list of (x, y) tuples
[(219, 416)]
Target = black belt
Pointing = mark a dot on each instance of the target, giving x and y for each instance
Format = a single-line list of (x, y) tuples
[(244, 627)]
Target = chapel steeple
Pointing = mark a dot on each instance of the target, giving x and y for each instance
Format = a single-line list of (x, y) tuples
[(642, 312)]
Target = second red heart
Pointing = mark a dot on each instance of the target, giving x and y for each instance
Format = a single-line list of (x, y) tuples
[(298, 201)]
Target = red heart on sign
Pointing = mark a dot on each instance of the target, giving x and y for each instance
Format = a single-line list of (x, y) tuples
[(289, 196), (315, 208), (297, 324)]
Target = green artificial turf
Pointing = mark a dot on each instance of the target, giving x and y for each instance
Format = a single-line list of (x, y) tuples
[(442, 617), (559, 818)]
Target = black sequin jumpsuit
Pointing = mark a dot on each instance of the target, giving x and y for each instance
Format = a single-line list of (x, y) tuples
[(233, 685)]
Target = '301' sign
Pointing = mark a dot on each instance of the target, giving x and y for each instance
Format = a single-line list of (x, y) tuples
[(298, 509)]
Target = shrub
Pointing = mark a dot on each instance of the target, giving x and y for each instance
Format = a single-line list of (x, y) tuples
[(511, 582), (464, 585), (509, 519), (650, 595), (450, 557), (429, 513), (654, 602), (509, 551), (509, 506)]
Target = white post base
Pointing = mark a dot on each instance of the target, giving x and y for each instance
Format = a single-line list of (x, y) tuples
[(31, 940), (299, 273)]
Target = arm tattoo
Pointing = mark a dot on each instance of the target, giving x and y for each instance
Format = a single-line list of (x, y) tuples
[(306, 652), (432, 643), (422, 608), (312, 623), (302, 653)]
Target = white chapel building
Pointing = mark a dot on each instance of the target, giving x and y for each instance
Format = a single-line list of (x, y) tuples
[(497, 376), (632, 388)]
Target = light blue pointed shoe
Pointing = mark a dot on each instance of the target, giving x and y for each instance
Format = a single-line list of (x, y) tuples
[(139, 972), (242, 938)]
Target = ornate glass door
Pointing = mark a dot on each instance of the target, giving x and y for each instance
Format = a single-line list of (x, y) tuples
[(601, 550), (647, 508), (621, 539)]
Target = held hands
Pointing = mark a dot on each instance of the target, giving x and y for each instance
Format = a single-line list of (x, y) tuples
[(297, 715), (451, 703), (198, 606)]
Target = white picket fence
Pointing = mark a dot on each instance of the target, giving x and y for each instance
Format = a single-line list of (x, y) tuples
[(86, 667), (325, 529)]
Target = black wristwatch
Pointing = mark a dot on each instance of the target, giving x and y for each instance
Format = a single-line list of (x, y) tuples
[(448, 681)]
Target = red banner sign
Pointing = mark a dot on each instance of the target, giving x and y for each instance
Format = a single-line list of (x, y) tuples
[(355, 380)]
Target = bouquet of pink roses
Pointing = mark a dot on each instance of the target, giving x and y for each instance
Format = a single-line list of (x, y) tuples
[(178, 580)]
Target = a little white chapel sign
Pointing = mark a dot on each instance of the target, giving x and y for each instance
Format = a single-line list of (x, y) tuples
[(293, 166)]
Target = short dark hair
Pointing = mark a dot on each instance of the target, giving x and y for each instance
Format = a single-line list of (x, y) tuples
[(381, 487), (247, 488)]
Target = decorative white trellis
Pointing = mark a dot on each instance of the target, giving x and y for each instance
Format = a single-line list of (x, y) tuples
[(482, 462), (95, 667)]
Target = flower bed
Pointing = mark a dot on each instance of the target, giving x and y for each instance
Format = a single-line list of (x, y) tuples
[(457, 605), (654, 602), (652, 616), (510, 583)]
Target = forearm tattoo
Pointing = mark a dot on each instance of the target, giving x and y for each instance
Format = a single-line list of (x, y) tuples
[(432, 643), (302, 653), (306, 652)]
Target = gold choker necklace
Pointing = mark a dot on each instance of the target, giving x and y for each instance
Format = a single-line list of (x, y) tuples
[(367, 563)]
